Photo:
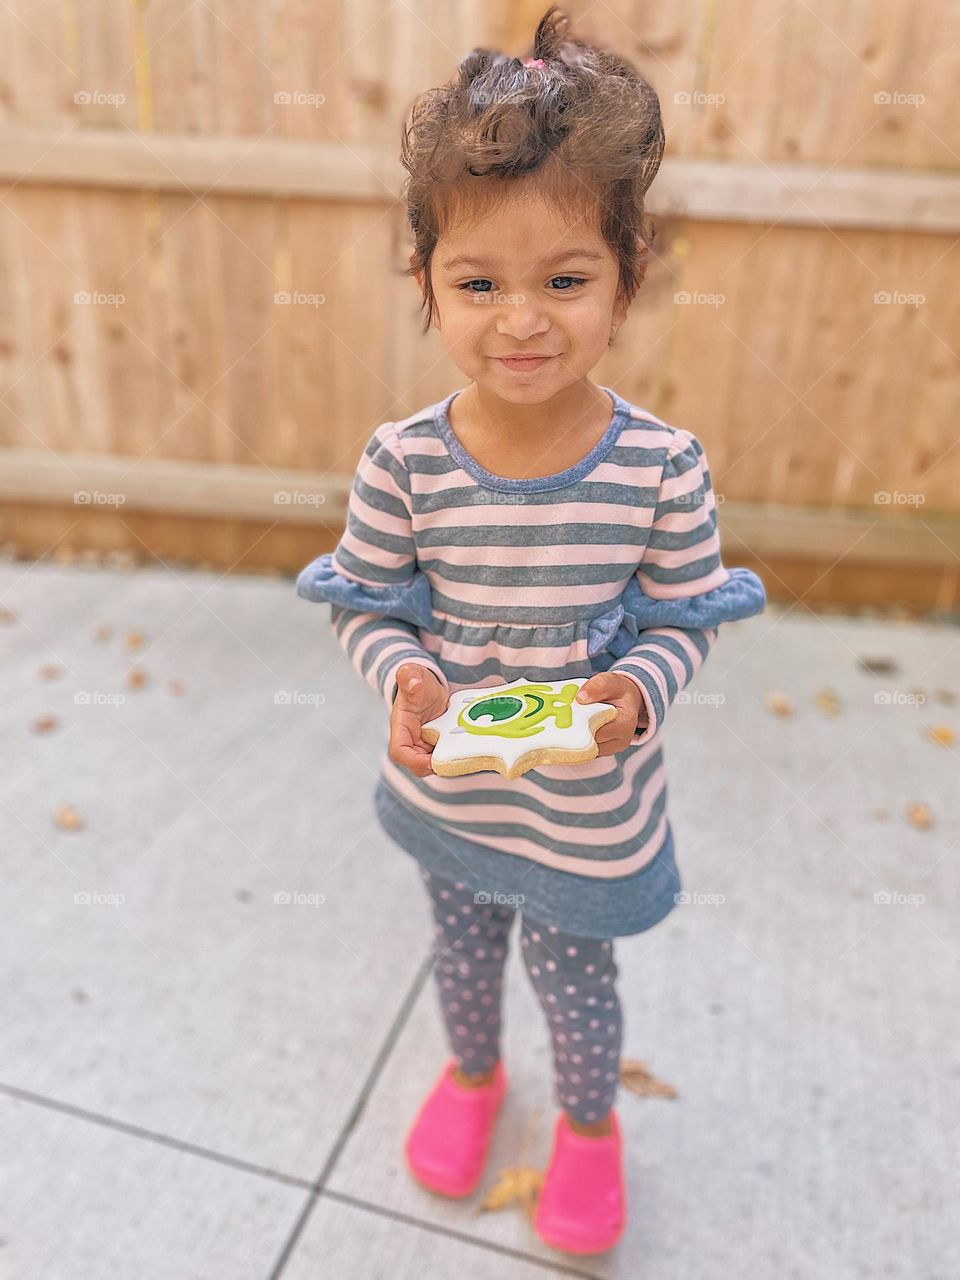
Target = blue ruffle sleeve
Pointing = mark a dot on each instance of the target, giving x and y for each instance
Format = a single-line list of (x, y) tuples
[(617, 631), (410, 601)]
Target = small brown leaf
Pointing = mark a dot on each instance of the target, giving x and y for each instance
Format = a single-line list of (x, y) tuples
[(44, 724), (879, 666), (636, 1076), (779, 703), (137, 678), (134, 639), (942, 734), (49, 671), (67, 818), (920, 815), (517, 1184), (827, 701)]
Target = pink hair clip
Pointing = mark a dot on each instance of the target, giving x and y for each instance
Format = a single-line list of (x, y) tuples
[(533, 62)]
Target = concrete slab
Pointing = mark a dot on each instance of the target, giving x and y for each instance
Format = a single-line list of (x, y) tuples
[(342, 1239), (82, 1201)]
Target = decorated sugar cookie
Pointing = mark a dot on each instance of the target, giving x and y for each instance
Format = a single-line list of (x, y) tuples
[(515, 727)]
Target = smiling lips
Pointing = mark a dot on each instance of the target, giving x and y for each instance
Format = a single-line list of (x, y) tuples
[(523, 362)]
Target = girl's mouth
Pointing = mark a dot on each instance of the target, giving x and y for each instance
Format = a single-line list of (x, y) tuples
[(520, 363)]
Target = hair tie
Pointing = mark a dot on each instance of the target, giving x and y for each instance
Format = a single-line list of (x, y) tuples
[(533, 62)]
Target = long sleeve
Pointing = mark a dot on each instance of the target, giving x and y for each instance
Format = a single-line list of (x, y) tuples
[(378, 596), (681, 589)]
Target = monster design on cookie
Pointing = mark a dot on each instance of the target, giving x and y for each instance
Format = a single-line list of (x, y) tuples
[(515, 727)]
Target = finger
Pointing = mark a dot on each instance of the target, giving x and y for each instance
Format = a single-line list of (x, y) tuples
[(410, 682), (417, 760), (599, 688)]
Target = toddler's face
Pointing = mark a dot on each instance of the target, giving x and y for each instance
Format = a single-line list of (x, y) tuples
[(520, 294)]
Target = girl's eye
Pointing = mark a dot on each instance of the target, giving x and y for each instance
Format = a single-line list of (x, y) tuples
[(575, 283)]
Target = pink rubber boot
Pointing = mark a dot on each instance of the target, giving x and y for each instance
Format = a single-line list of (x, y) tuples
[(446, 1147), (581, 1207)]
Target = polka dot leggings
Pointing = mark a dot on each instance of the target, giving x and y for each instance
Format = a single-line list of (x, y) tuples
[(574, 979)]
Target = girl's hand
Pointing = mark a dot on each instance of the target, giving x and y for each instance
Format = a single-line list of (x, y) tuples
[(420, 697), (620, 690)]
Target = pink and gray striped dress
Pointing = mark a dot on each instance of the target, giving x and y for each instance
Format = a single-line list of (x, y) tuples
[(612, 564)]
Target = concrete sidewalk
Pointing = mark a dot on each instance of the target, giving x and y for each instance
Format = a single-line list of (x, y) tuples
[(202, 1082)]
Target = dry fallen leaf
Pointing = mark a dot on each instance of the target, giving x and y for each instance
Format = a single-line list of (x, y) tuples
[(49, 671), (920, 815), (879, 666), (518, 1184), (137, 677), (636, 1076), (942, 734), (134, 639), (67, 818), (43, 724), (827, 701), (779, 703)]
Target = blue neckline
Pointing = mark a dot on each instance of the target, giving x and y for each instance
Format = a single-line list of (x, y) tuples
[(618, 418)]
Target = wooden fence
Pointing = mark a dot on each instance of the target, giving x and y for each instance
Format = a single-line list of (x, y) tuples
[(200, 246)]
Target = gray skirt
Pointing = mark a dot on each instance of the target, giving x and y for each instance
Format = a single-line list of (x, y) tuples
[(577, 904)]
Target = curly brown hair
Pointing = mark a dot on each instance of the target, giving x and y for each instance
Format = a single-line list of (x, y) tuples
[(583, 131)]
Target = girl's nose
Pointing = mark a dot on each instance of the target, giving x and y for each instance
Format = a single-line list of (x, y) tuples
[(521, 320)]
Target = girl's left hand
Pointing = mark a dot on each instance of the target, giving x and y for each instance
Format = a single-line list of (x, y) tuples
[(621, 692)]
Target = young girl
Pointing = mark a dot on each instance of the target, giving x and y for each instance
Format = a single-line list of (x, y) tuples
[(532, 524)]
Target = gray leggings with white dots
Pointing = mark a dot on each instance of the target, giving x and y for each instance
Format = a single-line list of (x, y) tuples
[(574, 979)]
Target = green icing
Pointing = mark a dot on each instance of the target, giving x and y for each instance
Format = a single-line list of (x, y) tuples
[(521, 713)]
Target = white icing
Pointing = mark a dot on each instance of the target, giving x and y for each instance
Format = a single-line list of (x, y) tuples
[(456, 743)]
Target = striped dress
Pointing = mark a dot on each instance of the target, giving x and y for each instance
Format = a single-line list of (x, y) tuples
[(613, 564)]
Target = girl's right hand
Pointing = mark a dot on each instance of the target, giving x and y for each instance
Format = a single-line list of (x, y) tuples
[(420, 697)]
